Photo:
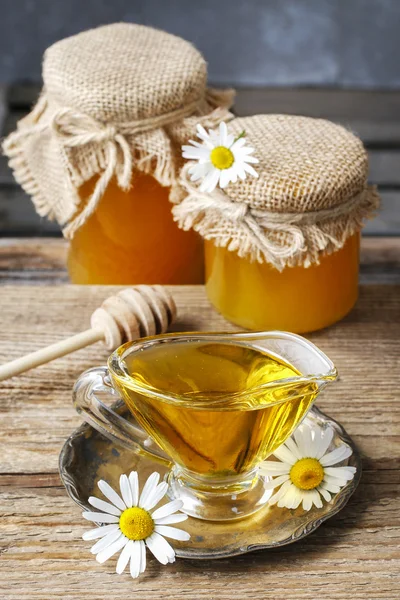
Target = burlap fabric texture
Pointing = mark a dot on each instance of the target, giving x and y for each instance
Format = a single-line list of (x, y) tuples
[(115, 98), (310, 196)]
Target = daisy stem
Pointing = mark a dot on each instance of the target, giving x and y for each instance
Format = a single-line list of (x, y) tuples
[(242, 134)]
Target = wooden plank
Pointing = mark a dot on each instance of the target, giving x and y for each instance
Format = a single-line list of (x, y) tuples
[(384, 167), (36, 261), (356, 554), (18, 215), (19, 218), (374, 115), (376, 106), (3, 109), (387, 220)]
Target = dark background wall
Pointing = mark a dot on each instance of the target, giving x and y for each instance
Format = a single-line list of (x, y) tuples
[(351, 43)]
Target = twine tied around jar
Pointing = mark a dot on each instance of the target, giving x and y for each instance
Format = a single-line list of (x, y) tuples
[(73, 129), (278, 238), (116, 99)]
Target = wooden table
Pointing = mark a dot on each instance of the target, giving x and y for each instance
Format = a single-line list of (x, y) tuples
[(354, 555)]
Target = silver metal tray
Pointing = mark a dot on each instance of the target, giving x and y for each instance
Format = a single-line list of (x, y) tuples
[(88, 456)]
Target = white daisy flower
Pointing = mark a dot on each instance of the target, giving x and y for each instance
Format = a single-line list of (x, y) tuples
[(221, 157), (306, 471), (130, 525)]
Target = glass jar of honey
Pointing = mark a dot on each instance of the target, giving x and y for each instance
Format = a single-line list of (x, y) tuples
[(145, 245), (101, 150), (282, 249)]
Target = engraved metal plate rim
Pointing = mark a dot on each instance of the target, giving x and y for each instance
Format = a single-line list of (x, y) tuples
[(309, 526)]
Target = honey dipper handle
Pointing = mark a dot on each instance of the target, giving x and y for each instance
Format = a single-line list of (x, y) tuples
[(45, 355)]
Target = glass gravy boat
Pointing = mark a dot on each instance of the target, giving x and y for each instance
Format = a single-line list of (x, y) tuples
[(210, 406)]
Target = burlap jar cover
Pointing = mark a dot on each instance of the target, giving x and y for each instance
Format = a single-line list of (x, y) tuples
[(310, 196), (114, 98)]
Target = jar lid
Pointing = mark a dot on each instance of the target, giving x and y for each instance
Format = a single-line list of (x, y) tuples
[(116, 98), (123, 72), (310, 195)]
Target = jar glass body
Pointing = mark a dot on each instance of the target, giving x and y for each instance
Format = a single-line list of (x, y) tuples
[(132, 238), (298, 299)]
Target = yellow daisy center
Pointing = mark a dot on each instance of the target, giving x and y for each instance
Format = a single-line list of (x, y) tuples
[(307, 473), (222, 158), (136, 523)]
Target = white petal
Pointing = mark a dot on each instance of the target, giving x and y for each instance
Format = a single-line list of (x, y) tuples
[(111, 494), (99, 532), (210, 182), (208, 138), (200, 170), (281, 492), (106, 541), (176, 518), (172, 533), (196, 153), (335, 480), (136, 554), (307, 500), (202, 133), (149, 487), (303, 439), (330, 487), (135, 559), (297, 497), (285, 500), (156, 495), (285, 455), (316, 498), (142, 556), (160, 548), (224, 178), (124, 557), (346, 473), (197, 144), (245, 151), (100, 517), (336, 456), (111, 550), (104, 506), (273, 467), (126, 491), (271, 485), (167, 509), (291, 444), (223, 133), (251, 159), (229, 140), (239, 144), (325, 441), (250, 170), (324, 493), (134, 483)]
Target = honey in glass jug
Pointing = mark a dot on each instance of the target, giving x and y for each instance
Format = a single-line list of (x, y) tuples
[(282, 249), (100, 151)]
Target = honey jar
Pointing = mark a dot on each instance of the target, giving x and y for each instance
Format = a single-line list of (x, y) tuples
[(282, 248), (100, 151)]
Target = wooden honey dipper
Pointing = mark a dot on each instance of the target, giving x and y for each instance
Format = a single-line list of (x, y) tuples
[(132, 313)]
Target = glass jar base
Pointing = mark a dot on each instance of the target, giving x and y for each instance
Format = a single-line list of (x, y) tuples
[(222, 502)]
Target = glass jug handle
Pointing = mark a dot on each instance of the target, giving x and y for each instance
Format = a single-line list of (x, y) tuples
[(89, 389)]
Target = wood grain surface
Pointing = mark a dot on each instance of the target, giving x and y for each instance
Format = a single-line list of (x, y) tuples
[(34, 261), (354, 555), (373, 115)]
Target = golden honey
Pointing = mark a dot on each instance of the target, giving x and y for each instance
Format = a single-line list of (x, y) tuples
[(132, 238), (298, 299), (218, 417)]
